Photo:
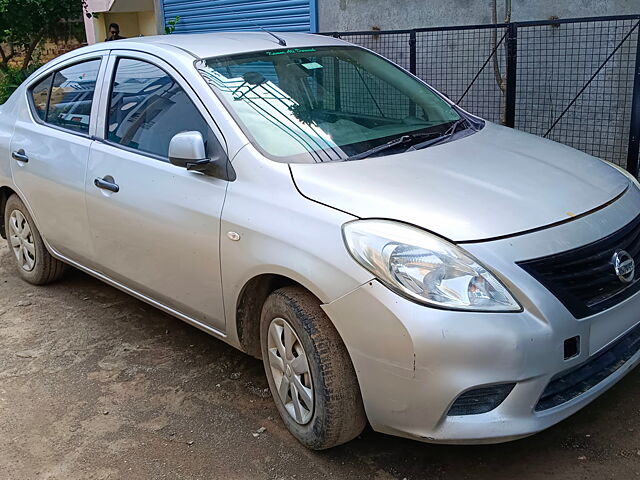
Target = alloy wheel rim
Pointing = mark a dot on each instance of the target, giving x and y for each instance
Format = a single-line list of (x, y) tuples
[(290, 371), (21, 240)]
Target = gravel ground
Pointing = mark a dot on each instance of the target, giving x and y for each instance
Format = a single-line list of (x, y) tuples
[(97, 385)]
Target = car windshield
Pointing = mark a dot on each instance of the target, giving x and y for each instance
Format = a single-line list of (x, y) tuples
[(322, 104)]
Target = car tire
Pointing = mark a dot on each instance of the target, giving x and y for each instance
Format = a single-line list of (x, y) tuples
[(329, 410), (35, 263)]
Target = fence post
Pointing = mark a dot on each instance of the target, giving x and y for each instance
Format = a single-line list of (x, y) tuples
[(512, 62), (413, 67), (634, 133)]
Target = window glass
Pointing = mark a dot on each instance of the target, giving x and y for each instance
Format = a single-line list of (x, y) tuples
[(364, 93), (72, 96), (148, 108), (40, 96), (325, 103)]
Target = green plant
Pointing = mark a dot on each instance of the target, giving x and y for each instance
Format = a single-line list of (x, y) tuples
[(11, 78), (25, 23), (170, 27)]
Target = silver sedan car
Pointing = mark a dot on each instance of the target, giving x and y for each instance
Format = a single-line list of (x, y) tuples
[(390, 257)]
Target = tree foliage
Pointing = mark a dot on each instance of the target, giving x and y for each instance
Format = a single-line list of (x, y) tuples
[(25, 23)]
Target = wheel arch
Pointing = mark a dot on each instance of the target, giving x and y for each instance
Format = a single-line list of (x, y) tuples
[(5, 193), (248, 306)]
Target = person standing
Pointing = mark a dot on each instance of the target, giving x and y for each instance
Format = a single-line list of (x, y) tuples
[(114, 33)]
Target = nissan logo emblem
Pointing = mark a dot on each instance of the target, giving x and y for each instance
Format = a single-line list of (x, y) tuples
[(624, 266)]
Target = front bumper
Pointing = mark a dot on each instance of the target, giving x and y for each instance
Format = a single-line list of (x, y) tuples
[(413, 362)]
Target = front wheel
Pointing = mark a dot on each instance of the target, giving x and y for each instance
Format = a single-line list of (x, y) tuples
[(309, 370), (35, 264)]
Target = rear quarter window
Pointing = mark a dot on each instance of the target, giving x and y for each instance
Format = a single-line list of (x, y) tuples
[(40, 96), (71, 96)]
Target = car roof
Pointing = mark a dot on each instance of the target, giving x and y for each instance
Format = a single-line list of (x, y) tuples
[(205, 45)]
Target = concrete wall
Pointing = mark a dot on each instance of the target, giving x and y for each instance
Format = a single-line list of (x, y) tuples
[(350, 15), (132, 24), (98, 31), (47, 50), (147, 23), (128, 23)]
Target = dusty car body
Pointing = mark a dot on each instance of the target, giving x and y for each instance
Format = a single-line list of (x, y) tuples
[(464, 282)]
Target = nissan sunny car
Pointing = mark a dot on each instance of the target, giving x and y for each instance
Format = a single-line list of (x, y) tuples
[(392, 258)]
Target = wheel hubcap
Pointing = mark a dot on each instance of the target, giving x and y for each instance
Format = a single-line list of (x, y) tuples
[(21, 240), (290, 371)]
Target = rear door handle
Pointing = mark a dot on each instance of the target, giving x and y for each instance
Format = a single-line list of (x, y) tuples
[(20, 156), (107, 183)]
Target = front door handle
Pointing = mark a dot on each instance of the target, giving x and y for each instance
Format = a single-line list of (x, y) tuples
[(20, 156), (107, 183)]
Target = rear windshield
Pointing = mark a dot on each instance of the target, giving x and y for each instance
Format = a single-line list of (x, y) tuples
[(308, 105)]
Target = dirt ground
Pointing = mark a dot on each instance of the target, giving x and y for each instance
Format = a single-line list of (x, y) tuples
[(97, 385)]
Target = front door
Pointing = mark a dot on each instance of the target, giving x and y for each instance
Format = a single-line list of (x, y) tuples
[(155, 226)]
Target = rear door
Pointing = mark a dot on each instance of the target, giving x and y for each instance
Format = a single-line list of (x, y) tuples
[(50, 151), (155, 227)]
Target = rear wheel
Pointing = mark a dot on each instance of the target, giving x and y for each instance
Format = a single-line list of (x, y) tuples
[(35, 264), (309, 370)]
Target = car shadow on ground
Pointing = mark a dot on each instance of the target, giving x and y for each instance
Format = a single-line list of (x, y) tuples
[(215, 394)]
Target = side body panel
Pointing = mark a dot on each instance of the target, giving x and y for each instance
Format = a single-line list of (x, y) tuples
[(7, 123), (159, 234), (281, 232), (52, 181)]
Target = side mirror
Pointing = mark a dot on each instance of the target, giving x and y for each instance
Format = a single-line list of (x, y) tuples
[(187, 150)]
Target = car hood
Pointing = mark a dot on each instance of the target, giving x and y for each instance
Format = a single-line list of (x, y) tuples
[(493, 183)]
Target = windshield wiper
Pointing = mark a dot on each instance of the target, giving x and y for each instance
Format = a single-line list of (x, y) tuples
[(412, 137), (450, 131)]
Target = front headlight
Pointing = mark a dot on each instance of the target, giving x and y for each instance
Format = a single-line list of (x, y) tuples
[(425, 268)]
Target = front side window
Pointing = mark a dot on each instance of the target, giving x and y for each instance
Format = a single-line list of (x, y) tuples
[(71, 96), (325, 103), (148, 107)]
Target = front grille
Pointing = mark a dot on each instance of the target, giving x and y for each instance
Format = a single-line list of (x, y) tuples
[(576, 381), (584, 279)]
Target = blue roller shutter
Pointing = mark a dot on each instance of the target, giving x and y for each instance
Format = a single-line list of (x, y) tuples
[(198, 16)]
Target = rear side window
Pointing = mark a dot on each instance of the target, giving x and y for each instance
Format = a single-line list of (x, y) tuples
[(40, 96), (148, 108), (72, 96)]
